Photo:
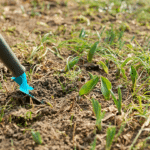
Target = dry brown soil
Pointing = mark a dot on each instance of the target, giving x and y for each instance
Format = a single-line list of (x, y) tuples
[(70, 121)]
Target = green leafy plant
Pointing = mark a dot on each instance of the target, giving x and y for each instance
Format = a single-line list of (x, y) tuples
[(92, 51), (36, 137), (91, 75), (82, 33), (134, 76), (105, 87), (88, 86), (71, 63), (99, 115), (103, 65), (118, 102), (110, 136)]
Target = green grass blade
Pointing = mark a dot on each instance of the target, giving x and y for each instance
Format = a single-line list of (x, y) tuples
[(126, 61), (109, 138), (97, 111), (103, 65), (114, 98), (92, 76), (105, 87), (92, 51), (96, 107), (134, 76), (71, 63), (88, 86), (123, 73), (82, 33), (119, 101)]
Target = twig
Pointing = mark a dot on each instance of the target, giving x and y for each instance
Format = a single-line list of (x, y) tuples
[(31, 102), (128, 99), (5, 86), (74, 133), (71, 106)]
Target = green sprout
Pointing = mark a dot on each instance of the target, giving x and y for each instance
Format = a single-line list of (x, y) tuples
[(110, 136), (98, 113), (71, 63), (134, 76), (118, 102), (105, 87), (88, 86), (92, 51), (36, 137), (82, 33)]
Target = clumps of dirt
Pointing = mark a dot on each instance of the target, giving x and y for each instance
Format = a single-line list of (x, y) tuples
[(64, 124), (53, 87)]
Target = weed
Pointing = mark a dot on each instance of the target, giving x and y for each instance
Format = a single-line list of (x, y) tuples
[(118, 48), (49, 104), (29, 74), (92, 76), (103, 65), (88, 86), (82, 33), (105, 87), (71, 63), (36, 137), (92, 51), (110, 136), (99, 115), (118, 102), (73, 74), (134, 76)]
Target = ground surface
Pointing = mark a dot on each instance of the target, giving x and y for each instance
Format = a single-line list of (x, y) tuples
[(43, 34)]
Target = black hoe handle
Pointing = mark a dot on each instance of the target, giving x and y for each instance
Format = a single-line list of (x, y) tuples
[(9, 59)]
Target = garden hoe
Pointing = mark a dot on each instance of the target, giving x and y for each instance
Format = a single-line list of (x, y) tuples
[(12, 63)]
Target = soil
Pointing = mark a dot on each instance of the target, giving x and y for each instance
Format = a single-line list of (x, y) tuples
[(64, 119)]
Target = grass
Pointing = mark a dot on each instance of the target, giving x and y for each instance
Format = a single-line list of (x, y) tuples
[(121, 53)]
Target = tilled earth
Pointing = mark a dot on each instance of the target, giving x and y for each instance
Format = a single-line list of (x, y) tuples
[(64, 120), (59, 130)]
